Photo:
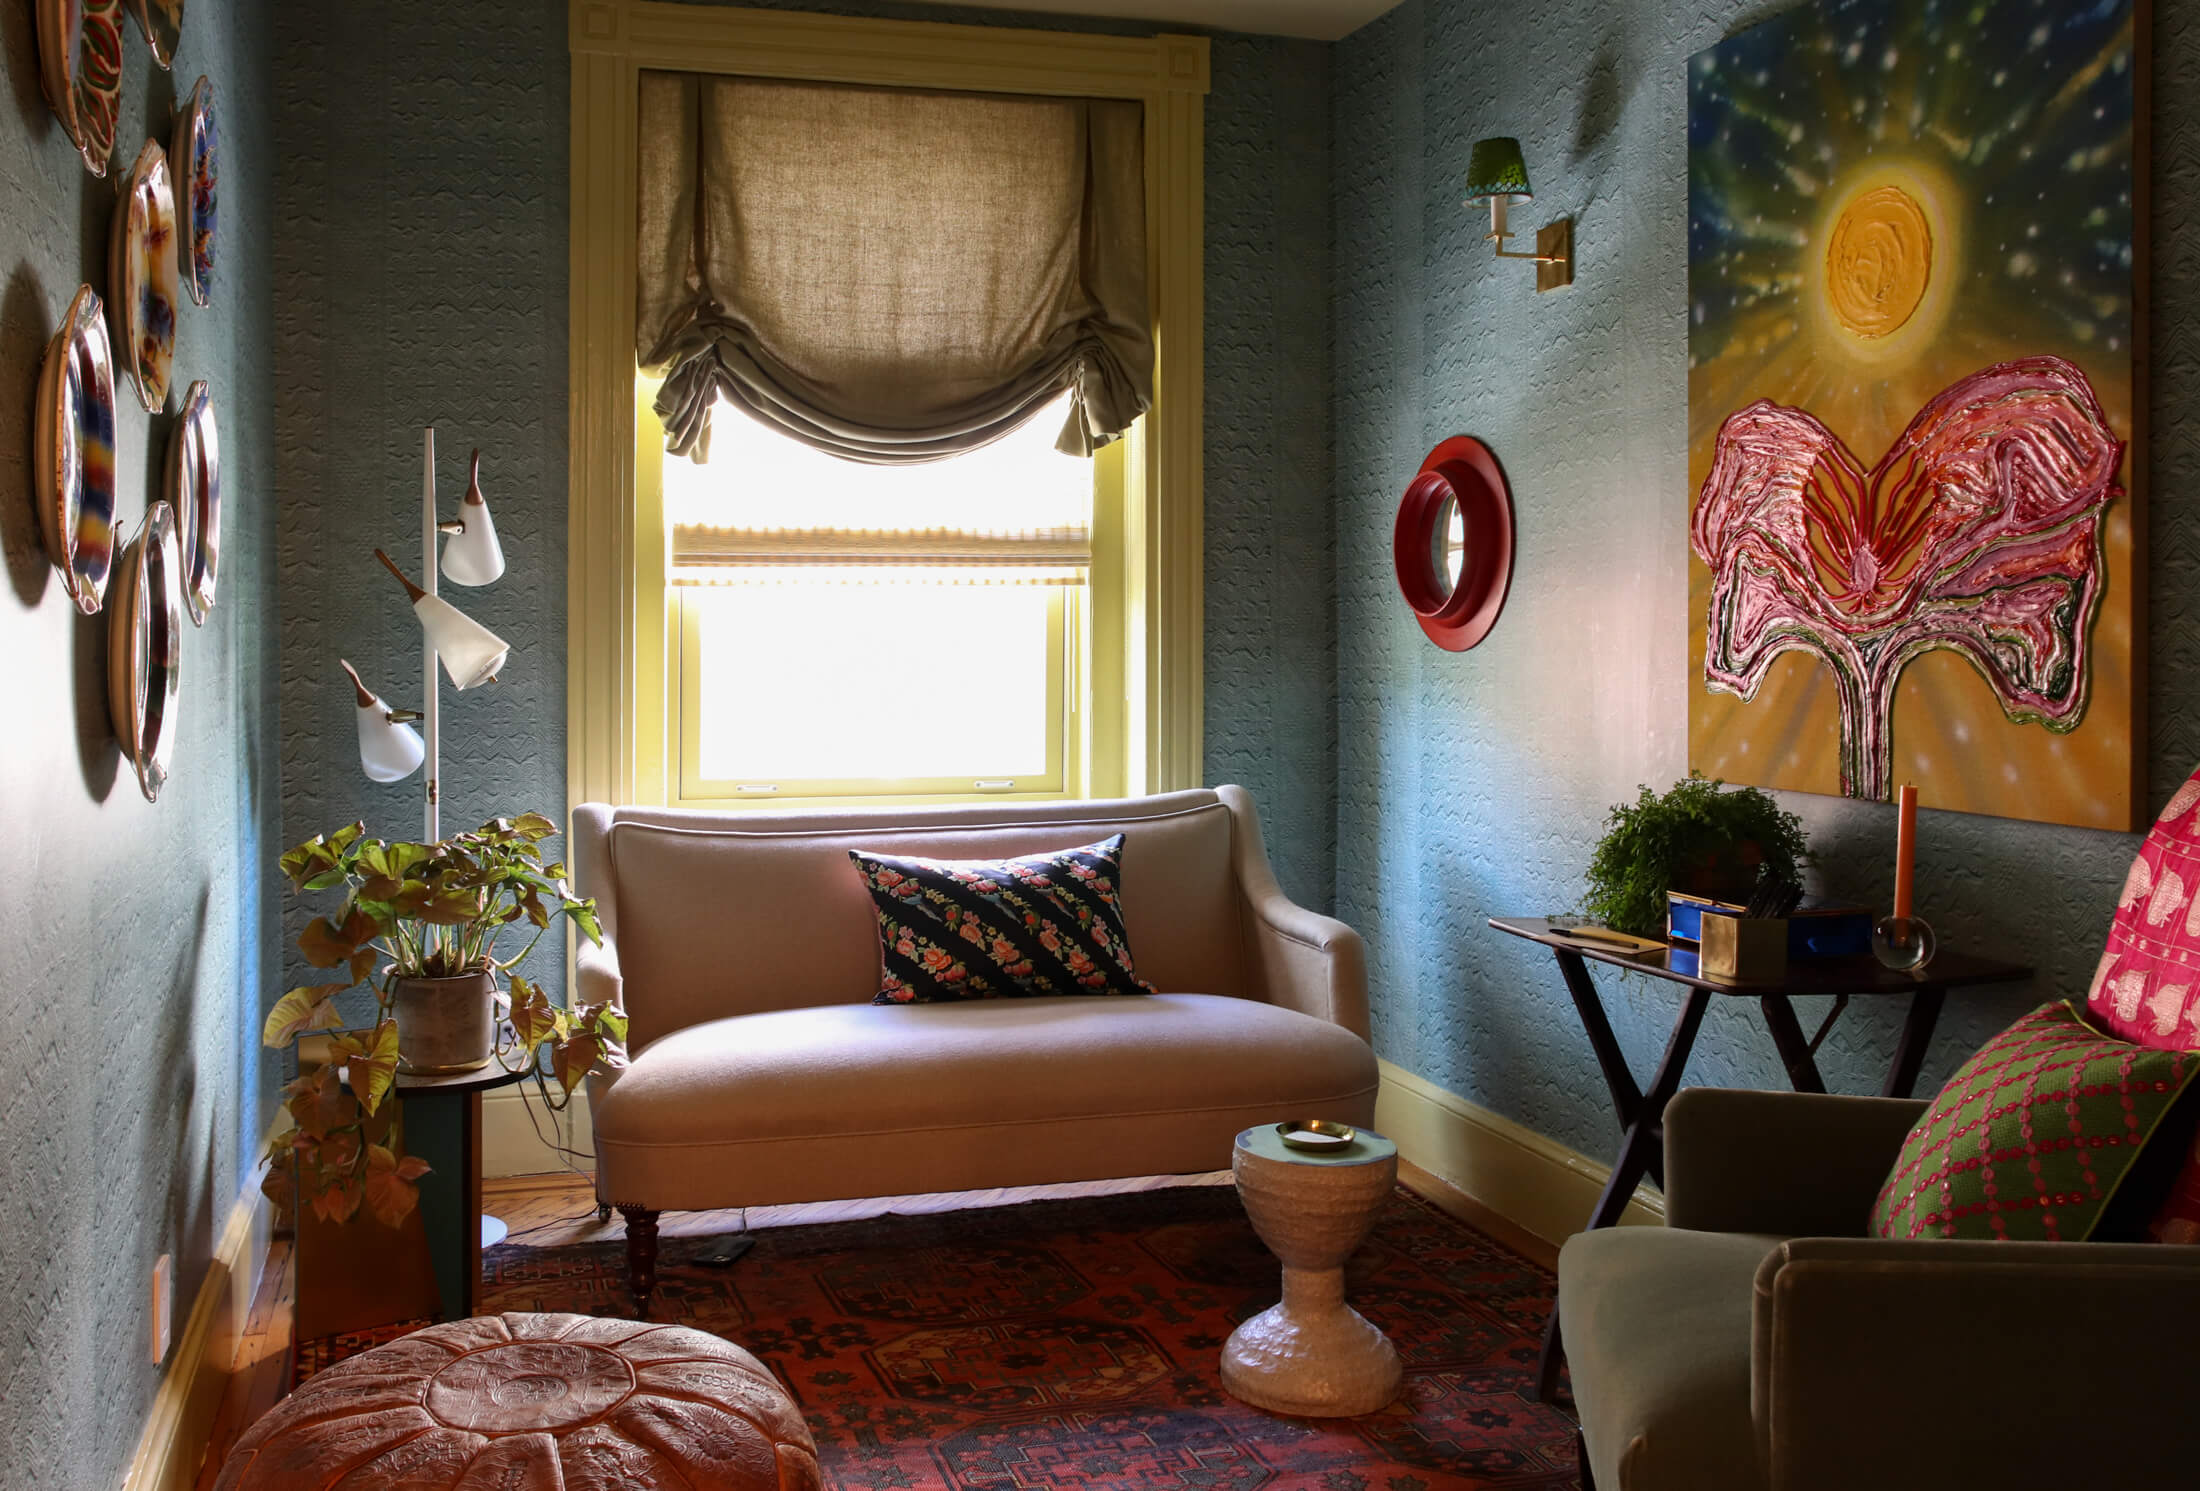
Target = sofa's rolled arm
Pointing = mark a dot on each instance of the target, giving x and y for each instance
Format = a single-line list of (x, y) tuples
[(1940, 1363), (1800, 1164), (596, 973), (1296, 958)]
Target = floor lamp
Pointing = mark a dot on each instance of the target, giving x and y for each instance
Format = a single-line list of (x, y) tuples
[(389, 748)]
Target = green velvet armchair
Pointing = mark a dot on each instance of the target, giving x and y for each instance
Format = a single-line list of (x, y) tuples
[(1762, 1341)]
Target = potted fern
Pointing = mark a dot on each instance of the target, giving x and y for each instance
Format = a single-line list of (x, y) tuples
[(1697, 836), (423, 925)]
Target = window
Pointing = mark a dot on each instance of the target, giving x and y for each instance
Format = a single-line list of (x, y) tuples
[(845, 630), (1129, 638)]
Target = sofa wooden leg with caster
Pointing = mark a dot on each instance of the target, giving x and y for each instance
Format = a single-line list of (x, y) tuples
[(641, 1256)]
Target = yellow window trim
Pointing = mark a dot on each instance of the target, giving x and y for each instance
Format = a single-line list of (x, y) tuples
[(617, 620)]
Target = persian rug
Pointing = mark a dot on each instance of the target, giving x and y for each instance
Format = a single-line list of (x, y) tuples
[(1072, 1346)]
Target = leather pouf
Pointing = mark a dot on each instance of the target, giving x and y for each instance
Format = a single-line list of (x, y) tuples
[(532, 1403)]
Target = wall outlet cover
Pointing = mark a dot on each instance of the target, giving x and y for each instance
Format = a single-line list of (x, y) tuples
[(164, 1293)]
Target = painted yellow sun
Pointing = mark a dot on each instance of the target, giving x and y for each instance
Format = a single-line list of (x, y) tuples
[(1887, 262)]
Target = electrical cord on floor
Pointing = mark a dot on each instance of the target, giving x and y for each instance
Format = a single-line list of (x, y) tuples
[(741, 1239)]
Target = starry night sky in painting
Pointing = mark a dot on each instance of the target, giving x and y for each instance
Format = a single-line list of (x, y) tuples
[(2024, 107)]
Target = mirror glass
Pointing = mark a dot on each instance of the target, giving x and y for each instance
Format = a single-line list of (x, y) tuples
[(1447, 543)]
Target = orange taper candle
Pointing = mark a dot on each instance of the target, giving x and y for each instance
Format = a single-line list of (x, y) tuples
[(1905, 848)]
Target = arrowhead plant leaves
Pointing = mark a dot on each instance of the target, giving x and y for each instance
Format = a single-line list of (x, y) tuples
[(418, 911)]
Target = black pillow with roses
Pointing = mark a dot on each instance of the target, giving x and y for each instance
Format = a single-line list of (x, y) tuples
[(1045, 924)]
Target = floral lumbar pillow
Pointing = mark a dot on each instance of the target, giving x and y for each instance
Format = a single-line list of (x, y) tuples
[(1001, 928), (2032, 1136)]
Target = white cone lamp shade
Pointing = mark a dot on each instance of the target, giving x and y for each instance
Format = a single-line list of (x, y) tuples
[(472, 555), (389, 750), (471, 653)]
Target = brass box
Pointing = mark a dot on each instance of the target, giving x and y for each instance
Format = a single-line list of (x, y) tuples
[(1745, 949)]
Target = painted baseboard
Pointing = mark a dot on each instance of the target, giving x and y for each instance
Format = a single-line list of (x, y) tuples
[(200, 1360), (1535, 1182), (518, 1136)]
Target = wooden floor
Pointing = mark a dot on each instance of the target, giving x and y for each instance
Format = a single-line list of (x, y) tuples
[(549, 1211), (261, 1374)]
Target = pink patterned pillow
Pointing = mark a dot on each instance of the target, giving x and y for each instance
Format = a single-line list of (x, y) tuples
[(2147, 989)]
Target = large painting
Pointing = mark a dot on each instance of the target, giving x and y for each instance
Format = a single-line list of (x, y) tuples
[(1913, 280)]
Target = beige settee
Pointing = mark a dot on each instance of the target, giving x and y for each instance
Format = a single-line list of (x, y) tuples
[(744, 950)]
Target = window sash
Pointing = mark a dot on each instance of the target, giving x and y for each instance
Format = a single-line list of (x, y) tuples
[(1065, 650)]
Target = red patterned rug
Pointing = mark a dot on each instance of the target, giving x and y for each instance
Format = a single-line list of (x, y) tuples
[(1071, 1346)]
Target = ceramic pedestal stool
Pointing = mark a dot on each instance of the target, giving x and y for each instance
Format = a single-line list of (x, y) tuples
[(534, 1403), (1312, 1355)]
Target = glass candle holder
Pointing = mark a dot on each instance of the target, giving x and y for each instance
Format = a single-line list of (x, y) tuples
[(1902, 943)]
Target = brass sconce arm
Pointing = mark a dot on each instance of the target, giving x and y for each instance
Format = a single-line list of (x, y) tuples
[(1554, 243)]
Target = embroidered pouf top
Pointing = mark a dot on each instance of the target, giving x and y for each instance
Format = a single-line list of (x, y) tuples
[(533, 1403)]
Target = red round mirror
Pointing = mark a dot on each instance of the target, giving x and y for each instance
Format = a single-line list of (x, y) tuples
[(1454, 543)]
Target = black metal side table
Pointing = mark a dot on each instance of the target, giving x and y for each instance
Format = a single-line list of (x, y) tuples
[(1642, 1111)]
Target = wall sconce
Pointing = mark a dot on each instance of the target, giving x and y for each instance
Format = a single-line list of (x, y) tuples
[(1496, 174)]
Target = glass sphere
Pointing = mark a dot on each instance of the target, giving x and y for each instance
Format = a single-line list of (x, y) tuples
[(1902, 942)]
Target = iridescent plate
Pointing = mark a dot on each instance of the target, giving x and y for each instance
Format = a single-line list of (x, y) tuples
[(145, 647), (162, 23), (193, 172), (194, 490), (141, 276), (80, 65), (75, 452)]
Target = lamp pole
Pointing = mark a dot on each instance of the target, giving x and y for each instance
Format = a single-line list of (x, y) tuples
[(431, 724)]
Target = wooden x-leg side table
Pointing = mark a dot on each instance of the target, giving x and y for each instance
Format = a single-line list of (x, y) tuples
[(1642, 1111)]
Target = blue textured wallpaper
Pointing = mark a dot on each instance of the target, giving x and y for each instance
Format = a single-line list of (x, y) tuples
[(1271, 657), (138, 936), (422, 277), (421, 280), (1475, 785)]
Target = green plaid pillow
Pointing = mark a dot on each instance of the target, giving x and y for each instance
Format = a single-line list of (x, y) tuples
[(2030, 1139)]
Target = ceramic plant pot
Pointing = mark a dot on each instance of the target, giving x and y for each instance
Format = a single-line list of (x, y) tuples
[(446, 1025)]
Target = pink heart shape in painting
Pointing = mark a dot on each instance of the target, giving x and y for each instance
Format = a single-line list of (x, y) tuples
[(1978, 531)]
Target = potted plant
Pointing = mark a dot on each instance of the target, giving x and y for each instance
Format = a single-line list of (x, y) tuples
[(1695, 837), (425, 922)]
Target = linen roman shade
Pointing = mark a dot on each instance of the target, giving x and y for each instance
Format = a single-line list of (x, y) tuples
[(890, 275), (768, 510)]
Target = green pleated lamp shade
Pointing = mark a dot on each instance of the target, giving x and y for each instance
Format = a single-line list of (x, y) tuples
[(1495, 169)]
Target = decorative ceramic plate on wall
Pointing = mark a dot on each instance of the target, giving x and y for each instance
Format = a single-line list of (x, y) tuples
[(141, 276), (194, 490), (80, 64), (144, 647), (75, 453), (162, 23), (192, 170)]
